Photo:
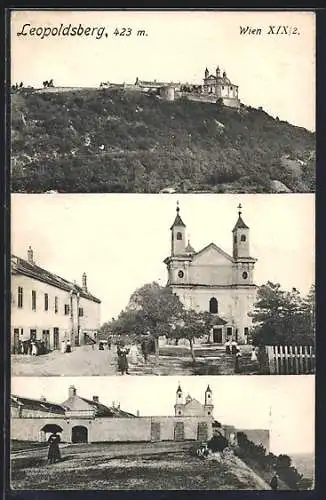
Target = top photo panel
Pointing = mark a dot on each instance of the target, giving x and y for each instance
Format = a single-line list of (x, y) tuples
[(162, 101)]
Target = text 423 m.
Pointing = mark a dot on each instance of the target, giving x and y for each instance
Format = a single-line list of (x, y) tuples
[(129, 32)]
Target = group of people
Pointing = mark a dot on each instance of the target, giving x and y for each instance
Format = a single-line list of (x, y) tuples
[(32, 347), (65, 346), (124, 353)]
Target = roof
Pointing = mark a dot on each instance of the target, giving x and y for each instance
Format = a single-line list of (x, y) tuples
[(22, 266), (77, 403), (218, 321), (37, 404), (190, 249), (217, 248), (240, 224), (220, 80), (178, 221)]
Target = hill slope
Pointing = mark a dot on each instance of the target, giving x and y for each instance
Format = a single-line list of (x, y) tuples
[(122, 141)]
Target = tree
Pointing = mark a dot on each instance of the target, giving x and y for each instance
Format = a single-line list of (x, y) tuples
[(283, 317), (190, 325), (155, 307)]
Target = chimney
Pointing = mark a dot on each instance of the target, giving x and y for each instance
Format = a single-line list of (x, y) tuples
[(113, 404), (30, 255), (84, 282), (72, 391), (137, 413), (95, 399)]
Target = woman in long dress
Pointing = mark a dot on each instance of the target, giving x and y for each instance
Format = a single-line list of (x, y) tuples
[(253, 354), (54, 451), (34, 349), (122, 353)]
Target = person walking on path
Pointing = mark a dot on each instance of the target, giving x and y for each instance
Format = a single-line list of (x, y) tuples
[(54, 451), (34, 349), (234, 346), (237, 360), (122, 353), (145, 346), (274, 482), (227, 346), (253, 354)]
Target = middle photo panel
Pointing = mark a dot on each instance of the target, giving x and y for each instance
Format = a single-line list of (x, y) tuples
[(162, 284)]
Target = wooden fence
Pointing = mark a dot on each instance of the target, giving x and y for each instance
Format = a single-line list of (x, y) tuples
[(290, 360)]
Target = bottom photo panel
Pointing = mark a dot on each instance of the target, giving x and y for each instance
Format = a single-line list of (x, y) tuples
[(163, 433)]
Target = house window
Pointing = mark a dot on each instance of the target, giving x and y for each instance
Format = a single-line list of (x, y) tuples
[(46, 302), (231, 88), (66, 309), (243, 238), (208, 412), (229, 330), (180, 274), (179, 236), (244, 275), (81, 311), (56, 308), (213, 306), (246, 330), (33, 300), (20, 297)]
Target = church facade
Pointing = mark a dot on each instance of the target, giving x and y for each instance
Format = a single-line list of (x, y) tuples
[(211, 280)]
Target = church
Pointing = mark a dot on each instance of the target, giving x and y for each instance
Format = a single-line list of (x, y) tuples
[(221, 87), (212, 280)]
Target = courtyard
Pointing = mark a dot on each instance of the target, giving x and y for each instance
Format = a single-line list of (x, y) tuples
[(173, 360), (127, 466)]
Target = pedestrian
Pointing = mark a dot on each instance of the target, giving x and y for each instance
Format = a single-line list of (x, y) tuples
[(145, 346), (34, 350), (109, 342), (227, 346), (68, 346), (22, 349), (63, 346), (122, 353), (234, 346), (54, 450), (100, 346), (237, 360), (253, 354), (274, 482)]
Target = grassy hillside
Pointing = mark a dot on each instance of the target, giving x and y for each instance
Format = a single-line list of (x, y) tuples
[(118, 141)]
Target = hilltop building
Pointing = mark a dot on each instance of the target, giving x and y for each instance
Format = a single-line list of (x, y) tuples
[(48, 308), (224, 90), (212, 280), (81, 420)]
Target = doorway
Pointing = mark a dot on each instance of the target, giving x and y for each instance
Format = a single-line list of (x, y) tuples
[(55, 338), (217, 335), (16, 341), (32, 335), (46, 339), (202, 431), (79, 434), (179, 431)]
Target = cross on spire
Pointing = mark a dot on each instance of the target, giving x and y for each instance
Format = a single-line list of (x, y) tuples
[(239, 208), (178, 208)]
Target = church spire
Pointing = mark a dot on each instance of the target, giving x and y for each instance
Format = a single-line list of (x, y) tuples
[(240, 223), (178, 221)]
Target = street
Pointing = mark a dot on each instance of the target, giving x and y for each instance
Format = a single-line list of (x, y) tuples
[(84, 361)]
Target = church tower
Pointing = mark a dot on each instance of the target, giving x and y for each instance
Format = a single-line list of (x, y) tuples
[(240, 237), (243, 264), (178, 235), (208, 406), (179, 403)]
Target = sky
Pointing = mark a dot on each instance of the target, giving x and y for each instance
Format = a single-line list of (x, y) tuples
[(283, 404), (121, 241), (276, 72)]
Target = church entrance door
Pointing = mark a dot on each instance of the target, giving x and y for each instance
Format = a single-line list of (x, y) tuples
[(202, 431), (217, 335)]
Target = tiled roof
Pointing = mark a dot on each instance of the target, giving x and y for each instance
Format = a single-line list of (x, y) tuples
[(37, 404), (22, 266), (240, 224)]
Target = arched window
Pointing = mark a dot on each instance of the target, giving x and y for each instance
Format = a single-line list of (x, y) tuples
[(179, 236), (213, 306), (243, 238)]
